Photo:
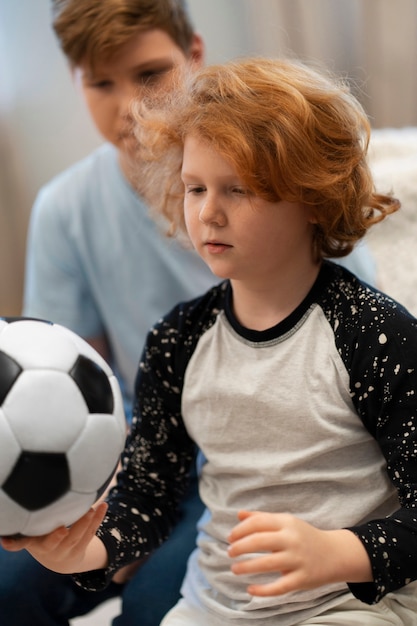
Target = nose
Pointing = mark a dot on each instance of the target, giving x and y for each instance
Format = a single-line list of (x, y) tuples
[(126, 98), (211, 211)]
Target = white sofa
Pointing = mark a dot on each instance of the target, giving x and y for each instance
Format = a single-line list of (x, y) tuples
[(393, 159)]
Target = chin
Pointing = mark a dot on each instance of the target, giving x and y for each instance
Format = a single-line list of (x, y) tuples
[(218, 272)]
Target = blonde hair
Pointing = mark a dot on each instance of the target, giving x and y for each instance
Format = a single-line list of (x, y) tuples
[(90, 31), (291, 132)]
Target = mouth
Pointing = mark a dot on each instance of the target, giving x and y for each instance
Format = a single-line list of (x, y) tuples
[(217, 247)]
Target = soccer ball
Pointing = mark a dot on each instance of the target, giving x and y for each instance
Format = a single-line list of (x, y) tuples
[(62, 426)]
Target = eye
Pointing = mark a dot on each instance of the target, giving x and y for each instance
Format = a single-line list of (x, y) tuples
[(100, 84), (195, 189), (151, 77), (240, 191)]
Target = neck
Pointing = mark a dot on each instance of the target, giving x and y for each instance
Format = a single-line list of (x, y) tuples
[(259, 307)]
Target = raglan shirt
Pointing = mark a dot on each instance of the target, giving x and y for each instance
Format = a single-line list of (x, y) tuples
[(315, 416)]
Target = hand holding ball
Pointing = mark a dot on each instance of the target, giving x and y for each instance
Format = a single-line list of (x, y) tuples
[(62, 426)]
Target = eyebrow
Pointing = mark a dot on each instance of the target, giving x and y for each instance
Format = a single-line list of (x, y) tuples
[(163, 63), (227, 178)]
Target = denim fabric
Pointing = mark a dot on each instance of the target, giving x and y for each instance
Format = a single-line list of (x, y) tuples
[(31, 595)]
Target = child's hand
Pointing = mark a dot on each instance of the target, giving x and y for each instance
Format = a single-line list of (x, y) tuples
[(67, 550), (305, 556)]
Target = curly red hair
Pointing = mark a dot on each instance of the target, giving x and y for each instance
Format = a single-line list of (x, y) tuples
[(291, 132)]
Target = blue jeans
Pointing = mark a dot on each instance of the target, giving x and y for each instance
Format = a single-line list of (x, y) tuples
[(31, 595)]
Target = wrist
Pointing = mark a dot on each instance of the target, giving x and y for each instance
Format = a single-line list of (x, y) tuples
[(352, 562)]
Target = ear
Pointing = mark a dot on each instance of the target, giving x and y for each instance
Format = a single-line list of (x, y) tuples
[(312, 218), (197, 51), (76, 76)]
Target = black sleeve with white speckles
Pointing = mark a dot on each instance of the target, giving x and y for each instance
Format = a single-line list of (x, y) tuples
[(377, 340), (156, 464)]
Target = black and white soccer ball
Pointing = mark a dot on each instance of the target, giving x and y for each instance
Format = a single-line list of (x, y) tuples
[(62, 426)]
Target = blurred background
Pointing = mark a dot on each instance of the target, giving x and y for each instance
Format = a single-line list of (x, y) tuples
[(44, 128)]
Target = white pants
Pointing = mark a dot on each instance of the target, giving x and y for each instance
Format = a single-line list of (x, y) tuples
[(398, 609)]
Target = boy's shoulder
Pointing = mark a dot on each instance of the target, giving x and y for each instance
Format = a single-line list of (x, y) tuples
[(89, 191), (199, 311), (183, 326), (352, 305), (82, 174)]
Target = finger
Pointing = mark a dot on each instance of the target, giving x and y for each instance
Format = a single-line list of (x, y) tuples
[(98, 514), (274, 562), (13, 545), (285, 584), (49, 542), (256, 522), (92, 518), (258, 542), (66, 539), (242, 515), (42, 542), (85, 528)]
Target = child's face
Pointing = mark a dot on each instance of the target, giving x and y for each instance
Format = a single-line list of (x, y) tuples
[(146, 60), (239, 235)]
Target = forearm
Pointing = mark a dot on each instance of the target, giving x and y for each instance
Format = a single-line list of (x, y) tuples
[(391, 544), (347, 558)]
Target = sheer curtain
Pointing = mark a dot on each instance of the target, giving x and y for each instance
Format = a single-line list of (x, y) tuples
[(13, 200), (373, 42)]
